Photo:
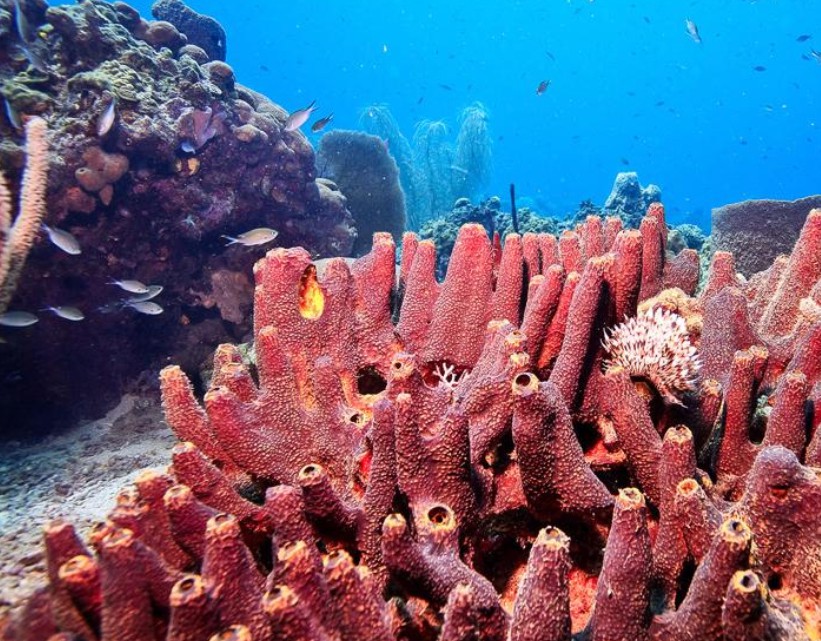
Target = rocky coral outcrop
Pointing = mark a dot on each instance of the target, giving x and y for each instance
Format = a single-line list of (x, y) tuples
[(369, 177), (685, 236), (200, 30), (756, 231), (629, 200), (443, 231), (190, 155)]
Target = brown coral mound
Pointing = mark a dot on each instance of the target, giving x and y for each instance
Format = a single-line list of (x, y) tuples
[(470, 471), (191, 154)]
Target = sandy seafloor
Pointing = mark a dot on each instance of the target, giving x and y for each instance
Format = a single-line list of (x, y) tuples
[(74, 475)]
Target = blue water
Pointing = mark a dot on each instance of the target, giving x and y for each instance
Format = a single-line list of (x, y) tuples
[(630, 90)]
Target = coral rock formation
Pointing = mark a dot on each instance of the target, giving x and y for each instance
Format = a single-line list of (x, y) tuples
[(369, 177), (756, 231), (200, 31), (628, 199), (191, 154), (474, 469)]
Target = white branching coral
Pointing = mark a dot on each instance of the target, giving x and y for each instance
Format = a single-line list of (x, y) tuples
[(446, 373), (655, 346)]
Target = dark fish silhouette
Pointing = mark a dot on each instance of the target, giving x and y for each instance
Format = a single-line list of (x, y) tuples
[(759, 68), (319, 125), (803, 37), (543, 85)]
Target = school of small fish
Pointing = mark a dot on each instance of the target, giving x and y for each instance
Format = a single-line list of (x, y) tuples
[(141, 300)]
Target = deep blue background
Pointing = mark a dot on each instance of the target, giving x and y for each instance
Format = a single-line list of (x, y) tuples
[(628, 85)]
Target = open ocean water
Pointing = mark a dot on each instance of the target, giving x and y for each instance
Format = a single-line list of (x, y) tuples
[(736, 116)]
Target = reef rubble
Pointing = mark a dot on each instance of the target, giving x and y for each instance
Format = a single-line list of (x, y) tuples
[(470, 459)]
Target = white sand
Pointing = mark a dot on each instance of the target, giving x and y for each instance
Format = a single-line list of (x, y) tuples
[(76, 476)]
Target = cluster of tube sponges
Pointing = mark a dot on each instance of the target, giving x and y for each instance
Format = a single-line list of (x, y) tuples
[(343, 488)]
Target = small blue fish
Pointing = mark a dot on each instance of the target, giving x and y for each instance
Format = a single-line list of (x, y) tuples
[(17, 319), (153, 292), (107, 118), (66, 312), (13, 115), (320, 124), (130, 286), (258, 236), (27, 38), (692, 30), (63, 240), (24, 30), (147, 307), (299, 117), (188, 147)]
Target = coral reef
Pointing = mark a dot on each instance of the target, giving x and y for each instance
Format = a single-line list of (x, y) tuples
[(200, 31), (629, 200), (443, 231), (369, 178), (756, 231), (415, 460), (190, 155), (685, 236)]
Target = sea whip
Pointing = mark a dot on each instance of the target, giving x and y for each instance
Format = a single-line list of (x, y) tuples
[(513, 213)]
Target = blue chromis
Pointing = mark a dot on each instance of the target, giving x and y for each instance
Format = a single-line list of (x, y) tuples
[(130, 286), (107, 118), (63, 240), (692, 30), (320, 124), (67, 312), (153, 292), (145, 307), (17, 319), (299, 117), (13, 115), (258, 236)]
